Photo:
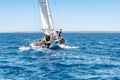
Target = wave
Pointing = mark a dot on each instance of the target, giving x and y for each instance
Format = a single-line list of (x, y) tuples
[(68, 47), (23, 48)]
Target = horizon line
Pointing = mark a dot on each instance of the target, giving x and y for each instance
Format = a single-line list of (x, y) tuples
[(64, 32)]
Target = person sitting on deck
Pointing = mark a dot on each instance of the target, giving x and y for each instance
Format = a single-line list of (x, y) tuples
[(60, 33), (42, 43), (62, 40), (47, 41)]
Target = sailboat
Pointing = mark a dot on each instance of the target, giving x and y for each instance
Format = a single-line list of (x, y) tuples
[(51, 37)]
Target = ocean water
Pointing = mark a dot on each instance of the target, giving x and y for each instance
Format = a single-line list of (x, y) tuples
[(85, 56)]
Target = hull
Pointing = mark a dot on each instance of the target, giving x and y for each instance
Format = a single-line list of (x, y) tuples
[(36, 46)]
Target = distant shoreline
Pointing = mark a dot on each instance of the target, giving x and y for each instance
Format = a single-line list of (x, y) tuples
[(70, 32)]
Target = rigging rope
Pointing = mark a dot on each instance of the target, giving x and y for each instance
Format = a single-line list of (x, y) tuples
[(35, 15), (56, 11)]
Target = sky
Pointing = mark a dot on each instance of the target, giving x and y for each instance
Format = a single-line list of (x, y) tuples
[(70, 15)]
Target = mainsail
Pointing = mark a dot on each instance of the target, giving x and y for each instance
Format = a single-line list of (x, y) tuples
[(47, 23)]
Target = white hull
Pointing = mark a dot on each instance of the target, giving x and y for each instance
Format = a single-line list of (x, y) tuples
[(35, 45)]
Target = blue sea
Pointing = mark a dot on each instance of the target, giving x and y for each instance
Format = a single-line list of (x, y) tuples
[(85, 56)]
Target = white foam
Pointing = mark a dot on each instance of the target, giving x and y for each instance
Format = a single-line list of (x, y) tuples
[(67, 47), (23, 48)]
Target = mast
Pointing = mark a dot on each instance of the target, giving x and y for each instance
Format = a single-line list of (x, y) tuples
[(46, 18)]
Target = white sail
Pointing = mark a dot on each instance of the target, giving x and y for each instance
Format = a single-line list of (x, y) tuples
[(47, 23)]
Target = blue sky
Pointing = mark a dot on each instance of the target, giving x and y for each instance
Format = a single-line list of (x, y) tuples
[(70, 15)]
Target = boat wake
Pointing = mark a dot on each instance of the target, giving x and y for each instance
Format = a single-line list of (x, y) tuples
[(23, 48), (60, 46), (67, 47)]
